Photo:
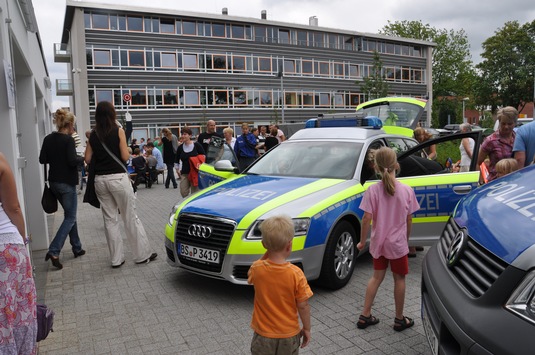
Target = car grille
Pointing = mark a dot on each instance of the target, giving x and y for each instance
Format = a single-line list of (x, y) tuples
[(477, 269), (222, 231)]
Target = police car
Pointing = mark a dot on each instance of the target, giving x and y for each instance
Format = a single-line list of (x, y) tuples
[(317, 177), (478, 282)]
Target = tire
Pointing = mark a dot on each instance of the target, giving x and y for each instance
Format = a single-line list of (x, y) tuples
[(339, 258)]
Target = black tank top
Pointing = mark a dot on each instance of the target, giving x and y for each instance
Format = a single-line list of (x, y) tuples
[(104, 163)]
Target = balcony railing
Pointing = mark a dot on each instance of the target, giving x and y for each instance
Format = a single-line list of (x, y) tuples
[(64, 87), (62, 53)]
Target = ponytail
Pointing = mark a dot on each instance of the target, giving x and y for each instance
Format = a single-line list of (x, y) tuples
[(385, 163)]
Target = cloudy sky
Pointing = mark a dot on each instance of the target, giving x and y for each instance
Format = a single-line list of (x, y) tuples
[(479, 19)]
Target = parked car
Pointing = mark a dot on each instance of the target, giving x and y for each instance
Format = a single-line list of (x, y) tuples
[(478, 281)]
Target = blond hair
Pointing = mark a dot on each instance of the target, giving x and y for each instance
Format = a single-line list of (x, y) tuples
[(63, 118), (421, 132), (506, 166), (277, 231), (386, 162), (508, 112), (228, 130)]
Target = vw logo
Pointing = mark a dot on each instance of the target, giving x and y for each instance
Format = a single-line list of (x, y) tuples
[(456, 248), (200, 231)]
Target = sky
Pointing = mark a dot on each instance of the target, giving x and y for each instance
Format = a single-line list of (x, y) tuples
[(479, 20)]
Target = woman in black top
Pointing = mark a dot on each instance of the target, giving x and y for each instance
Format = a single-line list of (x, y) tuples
[(170, 145), (59, 152), (272, 140), (185, 151), (114, 189)]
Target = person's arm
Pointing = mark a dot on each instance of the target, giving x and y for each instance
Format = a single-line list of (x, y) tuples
[(88, 153), (303, 308), (432, 152), (466, 145), (520, 157), (364, 229), (409, 226), (123, 147), (9, 197)]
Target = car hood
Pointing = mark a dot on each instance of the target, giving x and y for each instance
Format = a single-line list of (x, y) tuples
[(500, 215), (236, 198)]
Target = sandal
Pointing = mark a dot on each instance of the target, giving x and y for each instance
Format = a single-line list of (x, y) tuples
[(364, 322), (402, 324)]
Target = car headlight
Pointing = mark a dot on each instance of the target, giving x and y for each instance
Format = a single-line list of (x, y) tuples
[(172, 215), (522, 301), (300, 226)]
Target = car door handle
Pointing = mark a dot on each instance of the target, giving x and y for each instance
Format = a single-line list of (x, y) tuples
[(462, 189)]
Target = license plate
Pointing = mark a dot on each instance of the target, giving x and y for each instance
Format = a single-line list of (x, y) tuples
[(429, 332), (201, 254)]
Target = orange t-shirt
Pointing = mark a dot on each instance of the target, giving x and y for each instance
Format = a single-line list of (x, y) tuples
[(278, 290)]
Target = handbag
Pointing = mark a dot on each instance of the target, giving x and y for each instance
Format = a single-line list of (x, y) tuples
[(90, 195), (49, 200), (45, 321)]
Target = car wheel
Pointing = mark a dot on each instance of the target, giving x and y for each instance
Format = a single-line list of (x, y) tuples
[(339, 258)]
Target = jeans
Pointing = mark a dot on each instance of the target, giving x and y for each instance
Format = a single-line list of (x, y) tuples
[(170, 175), (67, 197)]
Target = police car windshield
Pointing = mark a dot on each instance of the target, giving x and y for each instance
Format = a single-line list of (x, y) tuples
[(331, 160)]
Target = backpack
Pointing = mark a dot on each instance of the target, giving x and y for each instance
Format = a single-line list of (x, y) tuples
[(45, 321)]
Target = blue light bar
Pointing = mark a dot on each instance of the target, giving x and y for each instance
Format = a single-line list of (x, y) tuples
[(372, 122)]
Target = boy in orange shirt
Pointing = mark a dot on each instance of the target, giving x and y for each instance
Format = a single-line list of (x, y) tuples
[(281, 293)]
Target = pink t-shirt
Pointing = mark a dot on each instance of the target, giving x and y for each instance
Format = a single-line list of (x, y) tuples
[(389, 219)]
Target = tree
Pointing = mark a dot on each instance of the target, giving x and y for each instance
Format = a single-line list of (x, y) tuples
[(453, 72), (508, 69), (375, 84)]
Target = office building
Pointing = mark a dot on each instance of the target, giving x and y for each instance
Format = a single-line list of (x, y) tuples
[(171, 68)]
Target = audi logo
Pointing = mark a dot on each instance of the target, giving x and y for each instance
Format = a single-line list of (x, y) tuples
[(200, 231)]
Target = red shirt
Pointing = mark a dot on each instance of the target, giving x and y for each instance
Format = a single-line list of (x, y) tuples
[(497, 148)]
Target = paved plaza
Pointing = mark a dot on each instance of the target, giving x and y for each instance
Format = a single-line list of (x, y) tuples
[(157, 309)]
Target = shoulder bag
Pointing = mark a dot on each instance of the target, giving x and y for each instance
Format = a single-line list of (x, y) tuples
[(90, 195), (49, 200)]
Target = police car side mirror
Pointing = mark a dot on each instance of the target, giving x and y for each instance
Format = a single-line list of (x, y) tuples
[(225, 165)]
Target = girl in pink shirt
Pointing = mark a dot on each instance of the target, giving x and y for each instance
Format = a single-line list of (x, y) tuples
[(390, 205)]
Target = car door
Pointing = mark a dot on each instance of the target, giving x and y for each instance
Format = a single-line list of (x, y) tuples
[(221, 163), (437, 187)]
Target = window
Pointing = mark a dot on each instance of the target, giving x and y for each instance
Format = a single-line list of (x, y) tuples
[(348, 44), (333, 41), (284, 36), (324, 68), (113, 22), (136, 59), (221, 97), (323, 99), (101, 21), (87, 20), (219, 62), (266, 98), (191, 98), (104, 95), (264, 64), (240, 98), (260, 33), (338, 69), (307, 67), (417, 75), (167, 25), (338, 100), (218, 30), (190, 61), (134, 23), (354, 99), (406, 74), (289, 66), (308, 99), (168, 60), (390, 73), (101, 57), (353, 71), (238, 31), (318, 39), (189, 28), (290, 99), (122, 23), (302, 38), (238, 63), (170, 97), (139, 97)]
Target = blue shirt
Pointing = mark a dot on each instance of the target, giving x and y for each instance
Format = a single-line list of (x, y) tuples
[(159, 158), (245, 146), (525, 142)]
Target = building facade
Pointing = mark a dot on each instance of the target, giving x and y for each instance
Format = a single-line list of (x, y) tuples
[(25, 110), (182, 68)]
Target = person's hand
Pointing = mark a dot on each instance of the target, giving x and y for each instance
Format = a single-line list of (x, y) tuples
[(361, 245), (305, 335)]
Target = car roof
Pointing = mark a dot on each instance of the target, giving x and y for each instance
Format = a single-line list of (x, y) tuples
[(336, 133)]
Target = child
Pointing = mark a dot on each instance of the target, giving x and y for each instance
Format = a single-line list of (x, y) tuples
[(390, 204), (281, 293), (506, 166)]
